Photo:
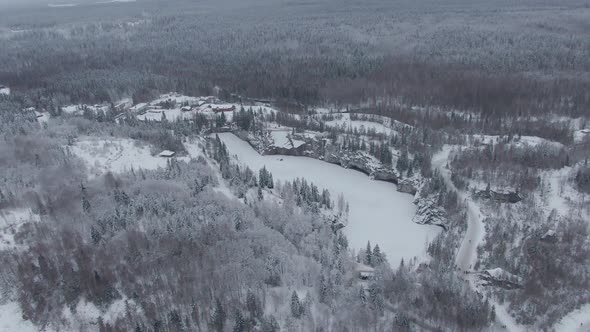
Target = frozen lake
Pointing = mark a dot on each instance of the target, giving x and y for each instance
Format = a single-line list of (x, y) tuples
[(378, 213)]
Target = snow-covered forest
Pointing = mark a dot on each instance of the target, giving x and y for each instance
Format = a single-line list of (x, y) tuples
[(295, 166)]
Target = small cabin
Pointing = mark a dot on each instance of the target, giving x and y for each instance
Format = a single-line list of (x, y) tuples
[(123, 105), (139, 108), (550, 236), (224, 109), (167, 154), (364, 272), (4, 90)]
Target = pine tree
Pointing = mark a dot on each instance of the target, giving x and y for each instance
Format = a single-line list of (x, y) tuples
[(326, 199), (270, 325), (410, 172), (260, 195), (95, 235), (85, 204), (402, 162), (493, 314), (377, 256), (253, 305), (262, 177), (270, 182), (363, 295), (240, 324), (369, 255), (295, 305), (218, 318)]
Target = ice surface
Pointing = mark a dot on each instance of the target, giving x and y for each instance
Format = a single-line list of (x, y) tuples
[(378, 213)]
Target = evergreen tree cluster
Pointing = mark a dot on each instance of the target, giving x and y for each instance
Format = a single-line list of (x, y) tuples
[(265, 179)]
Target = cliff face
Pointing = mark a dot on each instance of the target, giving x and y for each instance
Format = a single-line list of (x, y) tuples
[(499, 196), (429, 214), (362, 161), (313, 148), (408, 186)]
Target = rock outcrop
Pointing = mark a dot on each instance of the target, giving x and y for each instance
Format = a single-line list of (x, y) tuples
[(429, 214), (499, 196), (499, 278), (408, 186), (358, 160)]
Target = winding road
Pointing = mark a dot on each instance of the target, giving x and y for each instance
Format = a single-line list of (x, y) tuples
[(467, 254)]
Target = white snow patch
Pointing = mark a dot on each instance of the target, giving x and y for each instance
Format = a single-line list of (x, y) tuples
[(378, 213), (10, 222), (42, 117), (87, 314), (345, 122), (522, 141), (576, 321), (119, 155), (11, 319)]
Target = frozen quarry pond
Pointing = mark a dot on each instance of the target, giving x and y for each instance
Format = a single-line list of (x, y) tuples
[(378, 213)]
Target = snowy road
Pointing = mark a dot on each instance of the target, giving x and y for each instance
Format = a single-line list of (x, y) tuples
[(467, 254)]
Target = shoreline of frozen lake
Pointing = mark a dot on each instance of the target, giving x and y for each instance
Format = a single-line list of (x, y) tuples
[(378, 212)]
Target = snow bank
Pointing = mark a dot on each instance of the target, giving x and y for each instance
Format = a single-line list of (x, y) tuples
[(378, 213)]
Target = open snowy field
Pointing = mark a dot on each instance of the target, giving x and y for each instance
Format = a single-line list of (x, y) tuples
[(119, 155), (168, 114), (378, 213), (347, 123)]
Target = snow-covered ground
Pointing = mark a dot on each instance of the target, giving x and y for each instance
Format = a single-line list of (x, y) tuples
[(378, 213), (11, 319), (79, 109), (169, 114), (581, 136), (10, 222), (576, 321), (42, 117), (119, 154), (115, 154), (521, 141), (347, 123), (86, 315), (10, 314), (282, 139)]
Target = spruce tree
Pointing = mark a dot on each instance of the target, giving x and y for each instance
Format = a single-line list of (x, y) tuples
[(240, 324), (295, 305), (369, 255), (218, 318), (377, 256)]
